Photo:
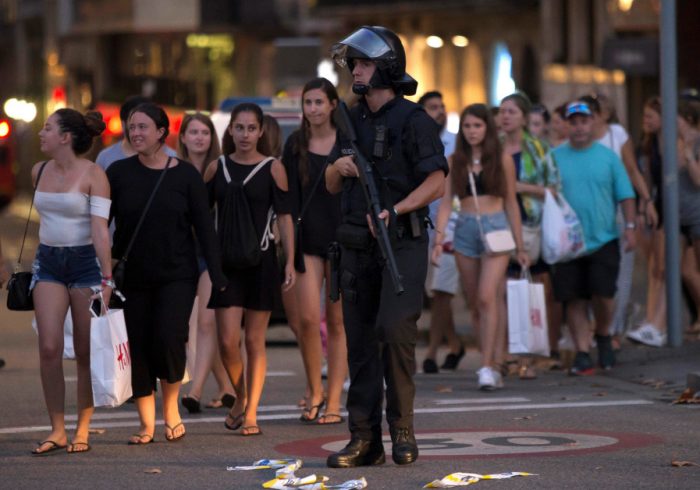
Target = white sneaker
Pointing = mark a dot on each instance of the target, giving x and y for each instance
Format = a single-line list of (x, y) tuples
[(647, 334), (489, 379)]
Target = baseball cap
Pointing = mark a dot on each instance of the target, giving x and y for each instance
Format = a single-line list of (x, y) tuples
[(578, 107)]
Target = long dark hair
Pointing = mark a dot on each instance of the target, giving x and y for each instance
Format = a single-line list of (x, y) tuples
[(270, 144), (83, 129), (227, 144), (492, 173), (301, 141), (649, 139), (213, 151)]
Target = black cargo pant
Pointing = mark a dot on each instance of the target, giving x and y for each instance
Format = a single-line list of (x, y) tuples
[(381, 333)]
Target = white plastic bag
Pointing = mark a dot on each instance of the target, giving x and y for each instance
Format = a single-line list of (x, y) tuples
[(562, 233), (110, 359), (527, 318), (68, 350)]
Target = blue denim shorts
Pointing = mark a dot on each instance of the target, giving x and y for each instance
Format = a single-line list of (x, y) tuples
[(74, 267), (467, 240)]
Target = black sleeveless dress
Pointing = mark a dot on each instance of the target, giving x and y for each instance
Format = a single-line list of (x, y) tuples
[(253, 287)]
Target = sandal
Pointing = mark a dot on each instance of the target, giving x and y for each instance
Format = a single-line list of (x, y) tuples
[(172, 437), (191, 404), (335, 418), (53, 446), (306, 417), (139, 441), (236, 421), (246, 431), (527, 372), (72, 447)]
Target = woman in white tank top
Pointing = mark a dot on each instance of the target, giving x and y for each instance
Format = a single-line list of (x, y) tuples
[(73, 262)]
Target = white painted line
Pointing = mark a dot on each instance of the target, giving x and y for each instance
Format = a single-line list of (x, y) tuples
[(474, 401), (278, 408), (107, 416), (280, 374), (530, 406), (289, 416)]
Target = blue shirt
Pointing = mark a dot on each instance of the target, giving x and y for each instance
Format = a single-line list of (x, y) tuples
[(593, 181), (115, 152)]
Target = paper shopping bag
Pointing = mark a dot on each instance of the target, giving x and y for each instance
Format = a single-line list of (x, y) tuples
[(527, 318), (538, 336), (110, 359)]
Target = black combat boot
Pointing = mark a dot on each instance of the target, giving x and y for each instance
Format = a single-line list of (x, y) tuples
[(404, 449), (358, 452)]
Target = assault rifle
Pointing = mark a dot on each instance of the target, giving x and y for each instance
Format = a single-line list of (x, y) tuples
[(342, 121)]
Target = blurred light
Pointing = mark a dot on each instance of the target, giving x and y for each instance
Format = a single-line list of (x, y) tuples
[(625, 5), (453, 122), (4, 129), (460, 41), (434, 42), (502, 79), (326, 69), (20, 110), (114, 125)]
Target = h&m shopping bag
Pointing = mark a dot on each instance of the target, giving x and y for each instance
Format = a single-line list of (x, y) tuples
[(110, 360), (527, 318), (562, 232)]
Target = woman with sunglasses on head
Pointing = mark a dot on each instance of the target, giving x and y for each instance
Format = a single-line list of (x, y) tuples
[(483, 178), (538, 120), (558, 127), (250, 289), (197, 144), (161, 273), (317, 212), (536, 172), (72, 263)]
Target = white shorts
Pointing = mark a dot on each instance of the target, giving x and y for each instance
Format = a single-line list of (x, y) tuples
[(446, 277)]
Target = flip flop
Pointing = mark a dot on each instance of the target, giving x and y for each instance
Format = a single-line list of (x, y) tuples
[(336, 417), (172, 437), (237, 421), (306, 416), (257, 432), (52, 448), (140, 442), (71, 447)]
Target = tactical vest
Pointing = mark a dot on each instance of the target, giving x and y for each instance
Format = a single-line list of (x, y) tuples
[(380, 139)]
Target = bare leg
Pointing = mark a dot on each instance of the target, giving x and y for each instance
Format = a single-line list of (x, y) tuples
[(603, 310), (656, 292), (580, 326), (146, 407), (256, 323), (171, 413), (80, 304), (442, 325), (337, 350), (291, 310), (228, 321), (51, 305), (308, 289)]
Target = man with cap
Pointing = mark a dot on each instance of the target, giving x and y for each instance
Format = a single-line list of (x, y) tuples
[(409, 168), (593, 181)]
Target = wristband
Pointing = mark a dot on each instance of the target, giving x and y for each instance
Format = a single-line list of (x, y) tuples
[(108, 283), (396, 213), (107, 277)]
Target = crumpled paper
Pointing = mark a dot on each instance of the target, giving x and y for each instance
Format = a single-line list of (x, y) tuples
[(286, 479), (464, 479)]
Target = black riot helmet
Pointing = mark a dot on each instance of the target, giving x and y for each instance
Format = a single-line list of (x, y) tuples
[(382, 46)]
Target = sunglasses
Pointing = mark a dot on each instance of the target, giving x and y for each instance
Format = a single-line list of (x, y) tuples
[(194, 113)]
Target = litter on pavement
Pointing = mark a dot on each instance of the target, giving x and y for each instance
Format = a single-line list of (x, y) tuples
[(464, 479)]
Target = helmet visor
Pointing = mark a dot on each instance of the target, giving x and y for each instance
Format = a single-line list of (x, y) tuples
[(363, 41)]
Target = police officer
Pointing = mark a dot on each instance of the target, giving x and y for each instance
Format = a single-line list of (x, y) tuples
[(404, 146)]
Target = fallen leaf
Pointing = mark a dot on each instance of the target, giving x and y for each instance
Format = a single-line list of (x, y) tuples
[(444, 389), (602, 393), (153, 471), (97, 431), (680, 464)]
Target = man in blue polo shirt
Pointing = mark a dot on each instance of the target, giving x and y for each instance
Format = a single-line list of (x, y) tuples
[(594, 181)]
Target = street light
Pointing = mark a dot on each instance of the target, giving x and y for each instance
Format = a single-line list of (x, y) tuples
[(434, 42), (460, 41)]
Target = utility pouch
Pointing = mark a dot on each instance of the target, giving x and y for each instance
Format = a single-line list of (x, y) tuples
[(353, 236), (334, 259)]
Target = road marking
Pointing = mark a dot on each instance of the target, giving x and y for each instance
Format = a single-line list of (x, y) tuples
[(468, 401), (280, 374), (289, 416)]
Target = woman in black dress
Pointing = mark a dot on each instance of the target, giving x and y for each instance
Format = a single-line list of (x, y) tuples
[(251, 289), (317, 212)]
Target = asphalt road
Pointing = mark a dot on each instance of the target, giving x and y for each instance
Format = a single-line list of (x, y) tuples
[(612, 431)]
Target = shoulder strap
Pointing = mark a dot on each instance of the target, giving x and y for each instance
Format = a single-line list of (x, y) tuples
[(227, 176), (472, 184), (313, 190), (257, 168), (31, 205), (145, 210)]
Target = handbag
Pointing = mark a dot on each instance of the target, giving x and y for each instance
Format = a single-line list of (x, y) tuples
[(119, 270), (527, 317), (298, 255), (19, 294), (110, 359), (497, 241), (562, 232)]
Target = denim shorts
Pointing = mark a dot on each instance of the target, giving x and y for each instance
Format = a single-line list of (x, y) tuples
[(467, 240), (74, 267)]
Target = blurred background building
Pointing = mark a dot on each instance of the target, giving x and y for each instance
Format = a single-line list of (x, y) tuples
[(193, 54)]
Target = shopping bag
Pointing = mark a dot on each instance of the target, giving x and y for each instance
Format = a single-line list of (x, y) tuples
[(527, 318), (110, 359), (68, 350), (562, 232)]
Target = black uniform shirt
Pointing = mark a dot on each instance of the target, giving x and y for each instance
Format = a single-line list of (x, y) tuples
[(412, 151)]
